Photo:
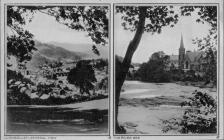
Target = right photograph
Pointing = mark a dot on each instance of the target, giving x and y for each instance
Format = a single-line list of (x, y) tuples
[(165, 63)]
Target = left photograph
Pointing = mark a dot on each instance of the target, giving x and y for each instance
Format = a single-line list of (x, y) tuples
[(57, 69)]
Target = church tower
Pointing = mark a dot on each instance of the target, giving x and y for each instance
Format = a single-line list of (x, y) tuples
[(181, 53)]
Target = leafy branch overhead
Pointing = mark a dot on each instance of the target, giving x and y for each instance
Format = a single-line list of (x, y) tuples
[(91, 19), (161, 16), (20, 43), (208, 44), (156, 17), (206, 13)]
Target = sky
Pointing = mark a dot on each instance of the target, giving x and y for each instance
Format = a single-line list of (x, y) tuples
[(47, 30), (168, 41)]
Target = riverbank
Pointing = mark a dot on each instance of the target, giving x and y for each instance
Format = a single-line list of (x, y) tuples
[(200, 84)]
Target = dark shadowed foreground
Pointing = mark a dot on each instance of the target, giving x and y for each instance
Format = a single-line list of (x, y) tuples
[(87, 117)]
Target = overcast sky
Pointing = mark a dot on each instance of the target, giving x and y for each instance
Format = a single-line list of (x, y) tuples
[(168, 41), (46, 29)]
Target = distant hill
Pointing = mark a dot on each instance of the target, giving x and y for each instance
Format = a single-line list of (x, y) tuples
[(51, 52), (86, 48)]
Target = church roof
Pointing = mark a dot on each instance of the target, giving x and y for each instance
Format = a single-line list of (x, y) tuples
[(194, 56)]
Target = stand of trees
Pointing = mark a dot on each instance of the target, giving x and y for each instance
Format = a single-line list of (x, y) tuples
[(159, 70), (155, 70)]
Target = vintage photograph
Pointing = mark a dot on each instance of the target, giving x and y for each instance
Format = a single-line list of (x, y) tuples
[(57, 69), (166, 69)]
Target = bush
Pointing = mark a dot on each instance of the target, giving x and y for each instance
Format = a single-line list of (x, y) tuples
[(199, 117), (18, 88), (16, 98)]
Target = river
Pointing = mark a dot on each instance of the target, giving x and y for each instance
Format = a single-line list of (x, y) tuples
[(143, 106), (89, 117)]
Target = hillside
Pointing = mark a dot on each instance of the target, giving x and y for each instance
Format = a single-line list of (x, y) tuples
[(86, 48), (50, 52)]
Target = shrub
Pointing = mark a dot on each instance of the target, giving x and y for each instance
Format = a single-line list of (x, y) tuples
[(16, 98), (199, 117)]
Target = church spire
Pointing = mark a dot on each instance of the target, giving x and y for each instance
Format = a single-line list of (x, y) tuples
[(181, 53), (181, 42)]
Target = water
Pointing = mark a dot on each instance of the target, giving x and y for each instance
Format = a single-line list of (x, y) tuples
[(56, 120), (137, 89), (146, 105)]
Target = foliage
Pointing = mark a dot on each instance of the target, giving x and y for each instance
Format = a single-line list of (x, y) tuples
[(139, 19), (157, 17), (17, 76), (155, 70), (83, 76), (199, 116), (20, 42), (56, 93), (43, 88), (104, 83), (101, 63), (151, 19), (209, 45), (207, 14), (17, 88), (16, 98), (49, 69), (92, 19)]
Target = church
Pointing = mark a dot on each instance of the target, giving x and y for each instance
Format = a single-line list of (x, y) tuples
[(187, 60)]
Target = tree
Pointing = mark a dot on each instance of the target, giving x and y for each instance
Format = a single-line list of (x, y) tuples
[(155, 70), (207, 44), (91, 19), (19, 42), (83, 76), (134, 19), (150, 19)]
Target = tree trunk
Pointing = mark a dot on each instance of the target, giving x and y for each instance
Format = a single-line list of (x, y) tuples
[(122, 68)]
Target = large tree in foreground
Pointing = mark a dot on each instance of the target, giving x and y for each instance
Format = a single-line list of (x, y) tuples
[(139, 20), (151, 19)]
